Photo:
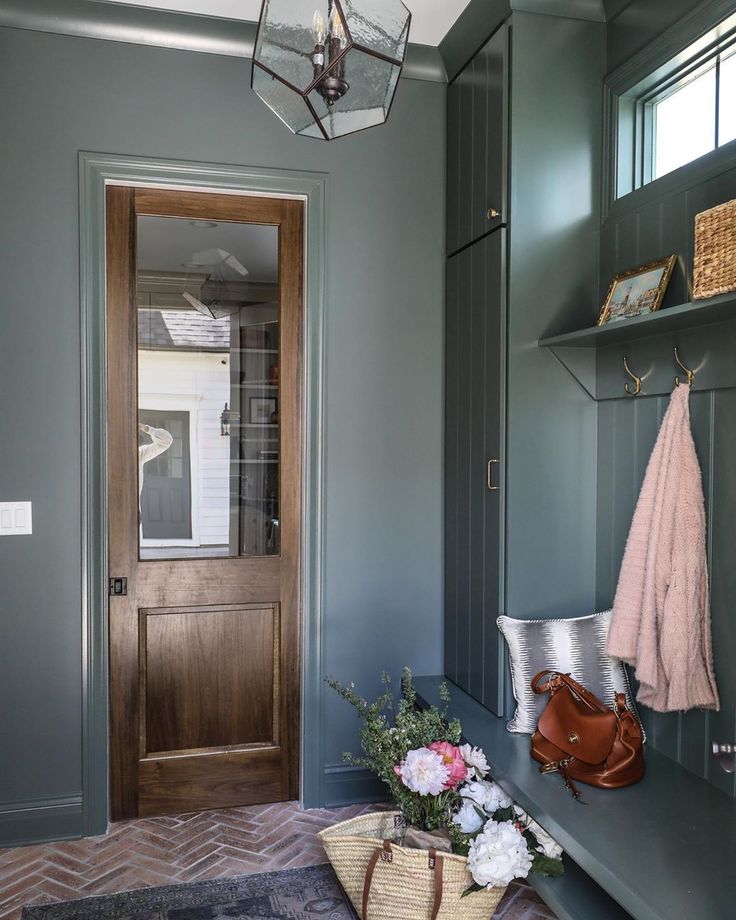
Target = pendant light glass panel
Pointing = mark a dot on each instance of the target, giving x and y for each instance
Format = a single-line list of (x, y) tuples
[(330, 67), (378, 25), (372, 85)]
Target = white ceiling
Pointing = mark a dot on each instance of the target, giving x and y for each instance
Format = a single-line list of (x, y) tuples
[(167, 244), (431, 19)]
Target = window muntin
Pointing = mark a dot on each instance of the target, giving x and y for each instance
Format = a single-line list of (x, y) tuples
[(727, 99)]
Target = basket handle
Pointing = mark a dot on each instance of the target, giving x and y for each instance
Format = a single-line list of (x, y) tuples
[(385, 854)]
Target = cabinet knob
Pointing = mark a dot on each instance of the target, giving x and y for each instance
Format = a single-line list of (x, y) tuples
[(493, 214)]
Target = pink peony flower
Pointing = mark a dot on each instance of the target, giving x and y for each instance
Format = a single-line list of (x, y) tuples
[(457, 771)]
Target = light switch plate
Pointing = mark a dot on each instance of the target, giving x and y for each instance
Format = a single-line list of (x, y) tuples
[(15, 519)]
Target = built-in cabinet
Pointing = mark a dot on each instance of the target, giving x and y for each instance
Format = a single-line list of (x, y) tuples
[(477, 144), (475, 378), (523, 228)]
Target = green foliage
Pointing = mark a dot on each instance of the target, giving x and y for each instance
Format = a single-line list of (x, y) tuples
[(389, 731)]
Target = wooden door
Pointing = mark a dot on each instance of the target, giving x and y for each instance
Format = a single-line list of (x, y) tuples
[(474, 473), (204, 646), (477, 107)]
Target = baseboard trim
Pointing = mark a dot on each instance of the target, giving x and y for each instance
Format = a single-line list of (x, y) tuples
[(346, 785), (40, 820)]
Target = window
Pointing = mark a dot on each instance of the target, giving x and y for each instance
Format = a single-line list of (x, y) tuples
[(696, 116), (683, 110)]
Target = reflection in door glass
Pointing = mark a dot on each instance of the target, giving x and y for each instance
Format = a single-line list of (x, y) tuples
[(208, 388)]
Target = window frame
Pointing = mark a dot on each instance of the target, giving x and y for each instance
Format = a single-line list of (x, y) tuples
[(685, 51)]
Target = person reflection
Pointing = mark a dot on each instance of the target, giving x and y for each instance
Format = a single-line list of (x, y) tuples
[(160, 441)]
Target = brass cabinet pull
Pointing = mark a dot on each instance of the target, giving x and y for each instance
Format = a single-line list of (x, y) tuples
[(493, 213), (489, 476)]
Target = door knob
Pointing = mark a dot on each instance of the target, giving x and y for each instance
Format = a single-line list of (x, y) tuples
[(489, 476), (493, 214)]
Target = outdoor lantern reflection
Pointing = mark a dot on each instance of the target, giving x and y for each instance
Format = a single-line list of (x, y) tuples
[(333, 70), (227, 416)]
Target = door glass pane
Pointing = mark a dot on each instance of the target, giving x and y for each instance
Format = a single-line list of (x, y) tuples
[(727, 105), (685, 124), (208, 388)]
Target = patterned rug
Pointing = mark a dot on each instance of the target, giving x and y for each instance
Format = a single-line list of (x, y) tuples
[(294, 894)]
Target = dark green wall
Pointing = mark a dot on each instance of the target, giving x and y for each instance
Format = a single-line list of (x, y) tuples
[(654, 221), (555, 218), (633, 24), (383, 415)]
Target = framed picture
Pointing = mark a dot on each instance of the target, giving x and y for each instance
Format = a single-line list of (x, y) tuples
[(262, 408), (637, 292)]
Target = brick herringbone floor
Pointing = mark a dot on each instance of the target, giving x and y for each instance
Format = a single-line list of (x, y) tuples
[(161, 851)]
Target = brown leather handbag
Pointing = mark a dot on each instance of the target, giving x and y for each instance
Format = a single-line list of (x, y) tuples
[(582, 739)]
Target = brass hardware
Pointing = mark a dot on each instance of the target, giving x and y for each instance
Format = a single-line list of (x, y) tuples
[(573, 738), (637, 380), (493, 213), (689, 374), (489, 476)]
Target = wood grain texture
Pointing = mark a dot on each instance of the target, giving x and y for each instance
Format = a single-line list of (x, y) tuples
[(218, 780), (207, 678), (122, 496), (216, 665)]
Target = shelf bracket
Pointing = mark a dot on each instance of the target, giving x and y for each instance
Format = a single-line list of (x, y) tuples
[(580, 363)]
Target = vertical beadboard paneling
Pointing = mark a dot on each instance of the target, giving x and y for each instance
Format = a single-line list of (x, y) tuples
[(642, 227), (467, 152), (476, 397), (452, 363), (464, 501), (694, 724), (722, 725), (453, 165)]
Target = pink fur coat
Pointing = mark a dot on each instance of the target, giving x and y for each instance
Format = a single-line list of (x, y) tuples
[(661, 614)]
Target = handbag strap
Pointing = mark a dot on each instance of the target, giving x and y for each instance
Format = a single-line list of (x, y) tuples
[(385, 854), (557, 680)]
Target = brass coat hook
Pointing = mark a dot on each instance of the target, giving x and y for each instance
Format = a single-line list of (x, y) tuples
[(690, 375), (637, 380)]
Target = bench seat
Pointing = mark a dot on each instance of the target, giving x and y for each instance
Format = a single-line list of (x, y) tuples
[(663, 849)]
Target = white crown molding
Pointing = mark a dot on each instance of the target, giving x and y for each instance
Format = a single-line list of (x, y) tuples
[(141, 25)]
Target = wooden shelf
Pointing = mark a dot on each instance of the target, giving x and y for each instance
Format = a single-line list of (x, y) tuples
[(671, 319), (663, 848)]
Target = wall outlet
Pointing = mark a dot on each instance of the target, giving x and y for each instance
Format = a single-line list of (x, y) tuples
[(15, 519)]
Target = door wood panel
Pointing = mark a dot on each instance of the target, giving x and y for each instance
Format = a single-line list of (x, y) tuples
[(196, 689), (204, 652)]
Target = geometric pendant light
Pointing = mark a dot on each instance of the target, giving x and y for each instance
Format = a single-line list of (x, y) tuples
[(333, 70)]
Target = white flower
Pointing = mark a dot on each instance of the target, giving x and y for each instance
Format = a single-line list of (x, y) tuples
[(498, 855), (468, 818), (475, 760), (546, 843), (489, 795), (424, 771)]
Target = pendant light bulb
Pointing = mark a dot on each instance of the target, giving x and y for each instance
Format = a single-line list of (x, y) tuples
[(319, 28), (337, 29)]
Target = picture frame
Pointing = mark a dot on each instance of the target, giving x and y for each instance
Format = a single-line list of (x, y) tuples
[(261, 409), (637, 292)]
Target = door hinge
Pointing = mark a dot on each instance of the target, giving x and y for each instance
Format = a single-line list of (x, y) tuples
[(118, 587)]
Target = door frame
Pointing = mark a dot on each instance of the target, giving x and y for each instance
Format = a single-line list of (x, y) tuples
[(96, 171)]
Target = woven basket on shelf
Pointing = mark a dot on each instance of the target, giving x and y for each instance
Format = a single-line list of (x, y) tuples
[(715, 251), (386, 881)]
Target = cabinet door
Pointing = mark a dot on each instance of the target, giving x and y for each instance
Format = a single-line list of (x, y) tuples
[(477, 144), (474, 494)]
